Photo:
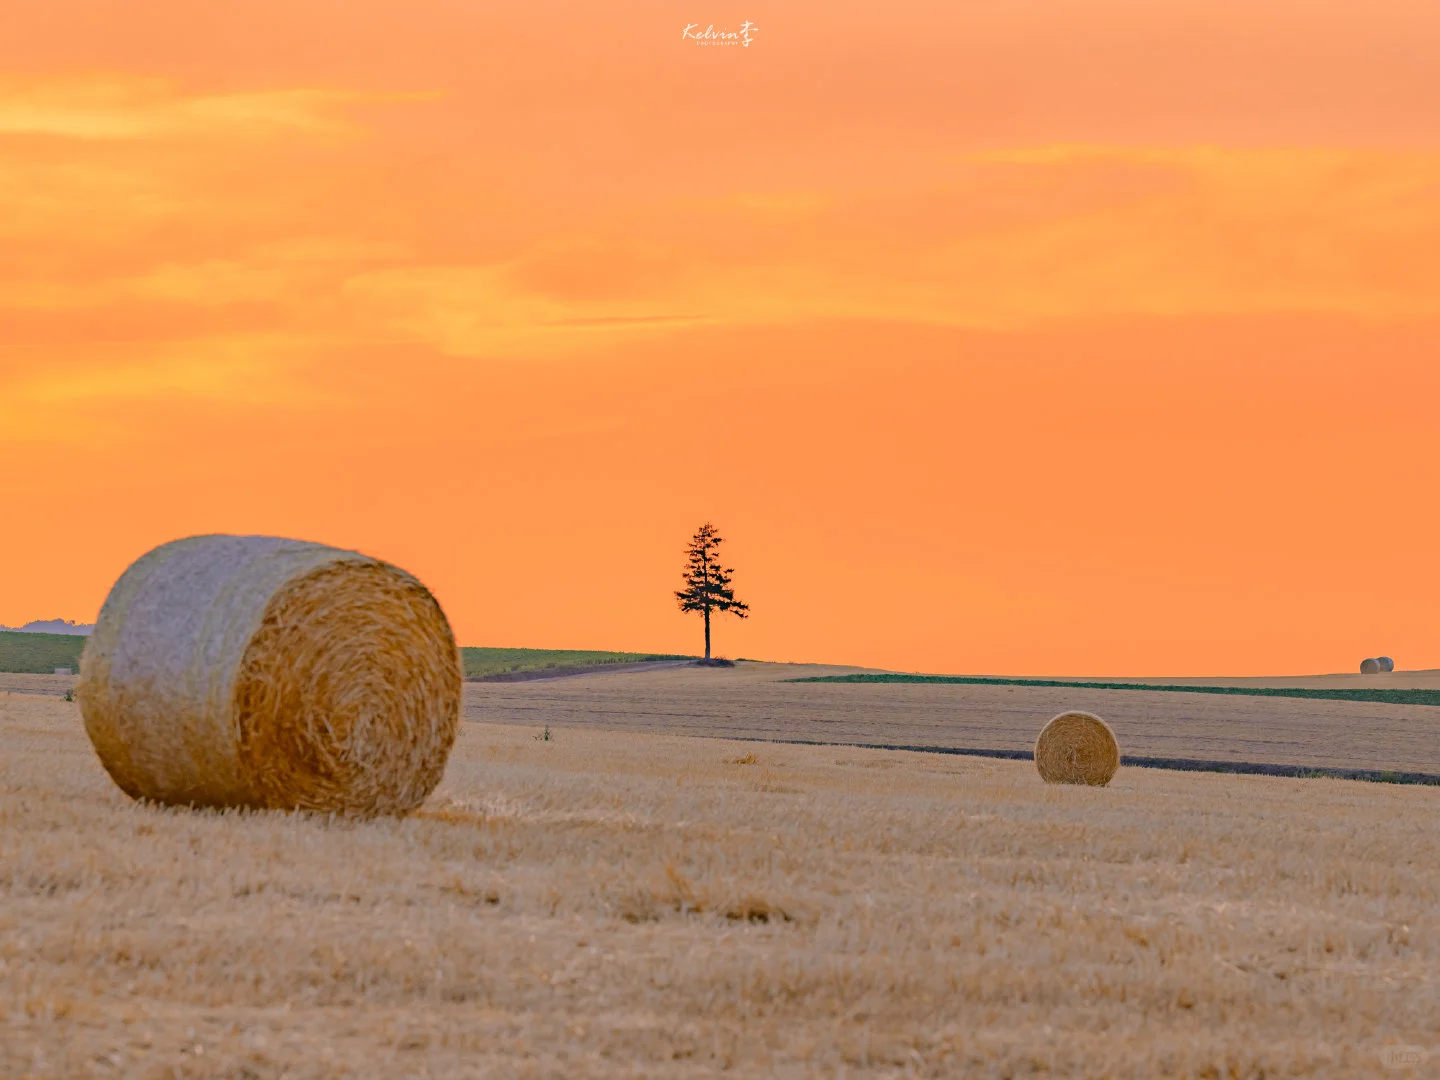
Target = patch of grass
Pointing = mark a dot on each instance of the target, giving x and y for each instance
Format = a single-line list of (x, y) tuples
[(1389, 776), (483, 663), (39, 654), (1386, 696)]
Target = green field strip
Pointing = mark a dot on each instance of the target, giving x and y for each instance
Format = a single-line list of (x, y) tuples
[(39, 654), (486, 663)]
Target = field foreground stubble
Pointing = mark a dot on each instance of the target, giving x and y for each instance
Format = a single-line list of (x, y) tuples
[(643, 905)]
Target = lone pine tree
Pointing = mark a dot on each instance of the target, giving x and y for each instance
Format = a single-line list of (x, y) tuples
[(707, 583)]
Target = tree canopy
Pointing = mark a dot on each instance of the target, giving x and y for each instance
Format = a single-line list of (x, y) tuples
[(707, 581)]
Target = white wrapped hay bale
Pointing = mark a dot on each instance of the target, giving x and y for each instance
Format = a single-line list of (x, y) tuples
[(260, 672)]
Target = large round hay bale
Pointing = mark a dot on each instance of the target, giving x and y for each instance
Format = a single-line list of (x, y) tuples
[(258, 672), (1386, 664), (1369, 666), (1077, 748)]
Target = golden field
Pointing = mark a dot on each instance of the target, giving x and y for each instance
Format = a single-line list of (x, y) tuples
[(629, 904)]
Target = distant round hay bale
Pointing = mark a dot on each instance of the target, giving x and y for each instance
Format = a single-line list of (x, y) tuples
[(1386, 664), (1369, 666), (252, 671), (1077, 748)]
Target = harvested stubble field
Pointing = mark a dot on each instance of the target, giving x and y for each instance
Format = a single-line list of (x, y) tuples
[(609, 904), (756, 701)]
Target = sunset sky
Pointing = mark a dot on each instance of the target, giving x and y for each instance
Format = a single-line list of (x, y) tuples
[(1081, 337)]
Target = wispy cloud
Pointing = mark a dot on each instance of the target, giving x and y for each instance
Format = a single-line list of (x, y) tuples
[(1001, 240), (126, 107), (97, 395), (1011, 239)]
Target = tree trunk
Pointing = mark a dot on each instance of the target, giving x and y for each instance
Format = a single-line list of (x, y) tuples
[(707, 633)]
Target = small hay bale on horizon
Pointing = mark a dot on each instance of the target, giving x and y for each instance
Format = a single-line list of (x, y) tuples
[(1077, 748), (1369, 666), (1386, 664), (253, 671)]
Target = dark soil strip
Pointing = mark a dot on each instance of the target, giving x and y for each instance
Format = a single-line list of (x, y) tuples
[(1304, 772), (1381, 695)]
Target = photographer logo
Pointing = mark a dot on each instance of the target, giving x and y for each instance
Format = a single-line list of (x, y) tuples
[(710, 34)]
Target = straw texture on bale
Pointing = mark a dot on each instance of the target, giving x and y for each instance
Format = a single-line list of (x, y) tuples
[(1369, 666), (252, 671), (1077, 748), (1386, 664)]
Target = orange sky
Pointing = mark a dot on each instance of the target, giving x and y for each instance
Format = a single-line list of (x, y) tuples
[(1080, 337)]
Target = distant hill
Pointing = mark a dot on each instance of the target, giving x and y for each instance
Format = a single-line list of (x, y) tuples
[(51, 626), (39, 654)]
